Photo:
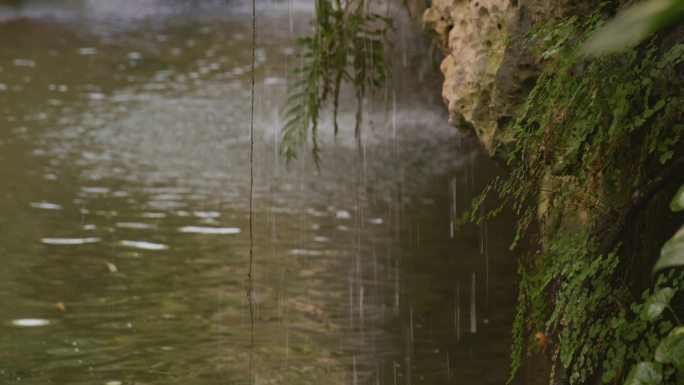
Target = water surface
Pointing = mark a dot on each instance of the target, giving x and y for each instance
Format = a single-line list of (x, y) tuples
[(124, 197)]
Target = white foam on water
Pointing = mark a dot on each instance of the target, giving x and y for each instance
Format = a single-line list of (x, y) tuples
[(46, 206), (24, 63), (86, 51), (206, 214), (96, 96), (312, 253), (144, 245), (69, 241), (343, 214), (154, 215), (30, 322), (136, 225), (95, 190), (272, 80), (209, 230)]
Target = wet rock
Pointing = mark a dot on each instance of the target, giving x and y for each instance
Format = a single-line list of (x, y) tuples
[(487, 75)]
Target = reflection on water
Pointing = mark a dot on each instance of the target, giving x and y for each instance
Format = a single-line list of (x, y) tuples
[(124, 172)]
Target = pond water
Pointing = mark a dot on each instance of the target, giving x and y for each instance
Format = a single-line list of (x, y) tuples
[(124, 235)]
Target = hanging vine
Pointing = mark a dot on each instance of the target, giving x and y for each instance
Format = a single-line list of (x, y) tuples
[(347, 47)]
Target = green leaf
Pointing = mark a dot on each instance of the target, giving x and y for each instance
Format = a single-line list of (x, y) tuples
[(346, 37), (633, 25), (677, 203), (671, 349), (644, 373), (656, 303), (672, 253)]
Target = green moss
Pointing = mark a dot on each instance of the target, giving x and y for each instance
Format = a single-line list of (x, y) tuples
[(589, 137)]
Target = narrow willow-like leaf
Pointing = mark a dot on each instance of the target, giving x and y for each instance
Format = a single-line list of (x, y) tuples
[(633, 25), (348, 46)]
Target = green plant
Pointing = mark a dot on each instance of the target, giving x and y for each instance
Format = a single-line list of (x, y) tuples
[(672, 253), (633, 25), (668, 357), (594, 143), (347, 47)]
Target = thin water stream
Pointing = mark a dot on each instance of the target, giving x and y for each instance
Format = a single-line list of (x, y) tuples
[(124, 180)]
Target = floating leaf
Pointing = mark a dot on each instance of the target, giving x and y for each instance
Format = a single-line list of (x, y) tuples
[(671, 349), (672, 253), (644, 373), (111, 267), (677, 203), (60, 305), (656, 303)]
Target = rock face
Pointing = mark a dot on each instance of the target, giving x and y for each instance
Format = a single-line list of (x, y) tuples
[(487, 77)]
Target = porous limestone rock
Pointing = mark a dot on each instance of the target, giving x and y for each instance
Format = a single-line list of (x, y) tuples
[(486, 77)]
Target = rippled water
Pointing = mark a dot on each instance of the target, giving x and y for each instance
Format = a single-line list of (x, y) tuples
[(124, 230)]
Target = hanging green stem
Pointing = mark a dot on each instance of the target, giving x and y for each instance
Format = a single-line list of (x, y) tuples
[(347, 47)]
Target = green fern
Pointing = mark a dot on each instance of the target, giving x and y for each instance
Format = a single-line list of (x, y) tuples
[(587, 140)]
